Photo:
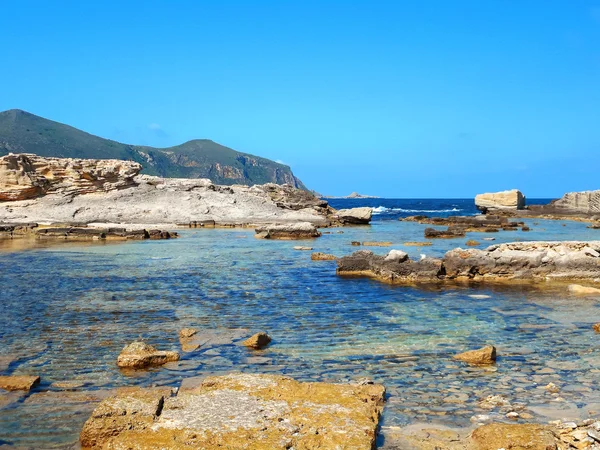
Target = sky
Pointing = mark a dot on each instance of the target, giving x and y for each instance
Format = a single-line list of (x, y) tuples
[(408, 99)]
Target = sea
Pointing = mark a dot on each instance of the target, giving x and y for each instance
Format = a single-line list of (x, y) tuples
[(68, 309)]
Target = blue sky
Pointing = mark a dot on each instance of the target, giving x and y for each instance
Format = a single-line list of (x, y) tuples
[(392, 98)]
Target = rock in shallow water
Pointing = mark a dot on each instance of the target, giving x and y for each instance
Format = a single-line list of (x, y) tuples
[(139, 355), (482, 356), (302, 230), (19, 383), (318, 256), (258, 341), (239, 411)]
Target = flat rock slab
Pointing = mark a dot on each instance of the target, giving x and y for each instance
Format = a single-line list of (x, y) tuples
[(18, 383), (239, 411)]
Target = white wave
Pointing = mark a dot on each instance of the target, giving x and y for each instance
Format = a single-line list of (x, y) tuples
[(383, 209)]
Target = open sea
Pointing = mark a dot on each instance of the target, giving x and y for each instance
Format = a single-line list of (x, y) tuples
[(66, 311)]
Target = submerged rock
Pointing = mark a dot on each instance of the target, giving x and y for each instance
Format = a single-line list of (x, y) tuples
[(376, 244), (18, 382), (505, 200), (303, 230), (583, 290), (258, 341), (187, 333), (239, 411), (451, 232), (482, 356), (139, 355), (596, 327)]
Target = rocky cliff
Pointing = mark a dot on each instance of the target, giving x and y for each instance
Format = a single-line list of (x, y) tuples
[(38, 189), (22, 132)]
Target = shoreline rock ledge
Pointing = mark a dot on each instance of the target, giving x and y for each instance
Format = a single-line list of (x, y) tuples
[(239, 411), (500, 201), (517, 261)]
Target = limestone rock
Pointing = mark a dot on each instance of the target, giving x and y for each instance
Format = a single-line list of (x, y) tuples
[(451, 232), (139, 355), (583, 290), (26, 176), (505, 200), (482, 356), (472, 243), (18, 382), (258, 341), (318, 256), (357, 216), (376, 244), (240, 411), (587, 202), (513, 436), (396, 255), (303, 230), (596, 327), (301, 248)]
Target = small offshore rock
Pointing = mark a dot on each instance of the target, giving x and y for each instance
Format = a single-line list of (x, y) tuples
[(596, 327), (583, 290), (139, 355), (18, 382), (319, 256), (258, 341), (472, 243), (355, 243), (376, 244), (187, 332), (396, 255), (551, 387), (483, 356), (418, 244), (299, 247)]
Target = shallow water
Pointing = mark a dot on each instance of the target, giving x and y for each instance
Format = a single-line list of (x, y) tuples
[(67, 311)]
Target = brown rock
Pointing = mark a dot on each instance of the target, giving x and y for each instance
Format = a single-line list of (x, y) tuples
[(355, 243), (129, 409), (596, 327), (318, 256), (472, 243), (18, 382), (258, 341), (418, 244), (376, 244), (259, 412), (513, 436), (451, 232), (139, 355), (482, 356)]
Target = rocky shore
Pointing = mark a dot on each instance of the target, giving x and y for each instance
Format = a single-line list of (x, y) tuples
[(79, 231), (519, 261), (50, 190)]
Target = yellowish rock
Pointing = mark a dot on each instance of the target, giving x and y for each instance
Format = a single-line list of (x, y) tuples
[(139, 355), (187, 333), (18, 382), (513, 436), (258, 341), (318, 256), (376, 244), (240, 411)]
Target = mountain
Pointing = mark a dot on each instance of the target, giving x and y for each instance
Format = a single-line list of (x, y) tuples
[(22, 132)]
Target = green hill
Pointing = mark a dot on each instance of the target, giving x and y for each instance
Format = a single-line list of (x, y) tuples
[(22, 132)]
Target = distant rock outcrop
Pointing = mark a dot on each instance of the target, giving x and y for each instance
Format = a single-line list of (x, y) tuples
[(587, 202), (505, 200)]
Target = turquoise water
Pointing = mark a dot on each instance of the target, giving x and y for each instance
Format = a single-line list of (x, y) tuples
[(67, 311)]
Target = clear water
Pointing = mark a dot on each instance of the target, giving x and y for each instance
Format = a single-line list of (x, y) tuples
[(67, 311)]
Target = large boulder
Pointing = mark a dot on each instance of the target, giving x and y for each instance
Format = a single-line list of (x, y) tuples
[(239, 411), (302, 230), (505, 200), (139, 355), (356, 216)]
